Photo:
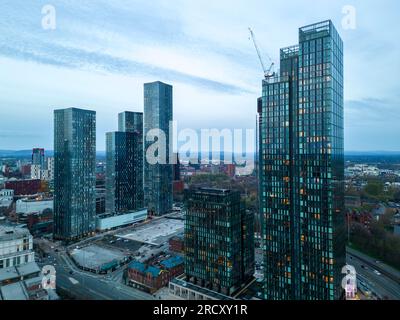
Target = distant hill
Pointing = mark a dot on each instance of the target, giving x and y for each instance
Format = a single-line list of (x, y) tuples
[(372, 153), (28, 153)]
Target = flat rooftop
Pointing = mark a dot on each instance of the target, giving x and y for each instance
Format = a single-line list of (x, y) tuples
[(28, 268), (11, 232), (155, 232), (14, 291), (94, 256), (22, 270)]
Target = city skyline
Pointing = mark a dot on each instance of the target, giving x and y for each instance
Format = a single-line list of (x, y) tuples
[(100, 65)]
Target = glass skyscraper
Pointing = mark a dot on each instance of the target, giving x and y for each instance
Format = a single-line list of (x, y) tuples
[(158, 178), (130, 122), (219, 240), (38, 157), (124, 171), (302, 169), (74, 173)]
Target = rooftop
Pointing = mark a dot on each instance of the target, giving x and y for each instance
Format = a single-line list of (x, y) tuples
[(8, 274), (14, 291), (172, 262), (23, 270), (28, 268), (12, 231), (156, 232), (141, 267)]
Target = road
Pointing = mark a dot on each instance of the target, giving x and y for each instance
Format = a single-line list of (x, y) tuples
[(87, 286), (382, 285)]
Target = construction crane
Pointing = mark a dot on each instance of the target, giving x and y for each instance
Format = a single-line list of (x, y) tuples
[(268, 73)]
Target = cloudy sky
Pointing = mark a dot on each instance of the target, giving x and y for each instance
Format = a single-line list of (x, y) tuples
[(102, 52)]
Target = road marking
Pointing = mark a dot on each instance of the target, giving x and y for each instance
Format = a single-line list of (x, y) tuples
[(73, 281)]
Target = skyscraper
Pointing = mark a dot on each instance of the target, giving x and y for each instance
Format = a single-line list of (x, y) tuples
[(301, 169), (158, 177), (38, 157), (130, 122), (219, 240), (74, 173), (124, 171)]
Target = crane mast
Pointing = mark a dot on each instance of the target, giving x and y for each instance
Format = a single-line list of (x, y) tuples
[(267, 72)]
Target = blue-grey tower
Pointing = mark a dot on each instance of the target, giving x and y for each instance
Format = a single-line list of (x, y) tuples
[(158, 177), (74, 173), (302, 169), (124, 169)]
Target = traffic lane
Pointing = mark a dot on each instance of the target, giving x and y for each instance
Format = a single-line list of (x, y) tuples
[(385, 286), (75, 290), (84, 287), (94, 284), (382, 285), (387, 283), (380, 266)]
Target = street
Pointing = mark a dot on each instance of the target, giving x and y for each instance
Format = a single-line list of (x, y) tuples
[(84, 285), (383, 286)]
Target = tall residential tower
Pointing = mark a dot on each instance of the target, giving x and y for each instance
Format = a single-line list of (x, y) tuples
[(301, 169), (74, 173), (124, 169), (158, 177)]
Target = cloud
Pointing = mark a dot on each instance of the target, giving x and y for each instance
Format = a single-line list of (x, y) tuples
[(98, 62)]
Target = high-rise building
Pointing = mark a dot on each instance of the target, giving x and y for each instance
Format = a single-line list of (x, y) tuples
[(74, 173), (158, 177), (124, 171), (38, 157), (301, 169), (130, 122), (219, 240)]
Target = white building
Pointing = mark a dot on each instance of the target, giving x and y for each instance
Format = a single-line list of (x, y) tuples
[(16, 246), (50, 168), (6, 198), (109, 221), (33, 205), (43, 173), (36, 171)]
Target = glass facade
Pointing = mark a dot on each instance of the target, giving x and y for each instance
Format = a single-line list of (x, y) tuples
[(74, 173), (38, 157), (219, 240), (130, 122), (158, 178), (302, 169), (124, 171)]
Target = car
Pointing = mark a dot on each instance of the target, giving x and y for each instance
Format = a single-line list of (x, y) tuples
[(71, 272), (377, 272)]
